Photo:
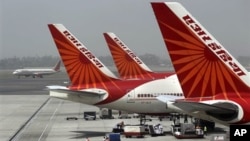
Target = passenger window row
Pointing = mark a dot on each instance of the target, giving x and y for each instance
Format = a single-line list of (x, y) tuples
[(155, 95)]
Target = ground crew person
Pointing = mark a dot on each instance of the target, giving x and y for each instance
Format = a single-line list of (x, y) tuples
[(205, 130), (120, 125)]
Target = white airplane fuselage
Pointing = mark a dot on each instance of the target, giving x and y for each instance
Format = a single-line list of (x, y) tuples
[(141, 99), (33, 72)]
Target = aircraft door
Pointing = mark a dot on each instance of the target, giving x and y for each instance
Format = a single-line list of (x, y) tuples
[(131, 96)]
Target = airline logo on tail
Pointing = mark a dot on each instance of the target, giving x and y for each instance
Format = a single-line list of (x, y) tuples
[(83, 49), (83, 68), (203, 66), (127, 63), (217, 49), (126, 49)]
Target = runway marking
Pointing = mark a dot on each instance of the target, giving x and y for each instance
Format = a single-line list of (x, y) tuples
[(28, 121), (50, 120)]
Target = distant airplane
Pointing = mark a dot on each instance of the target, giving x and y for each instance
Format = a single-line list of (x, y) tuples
[(37, 72), (216, 86), (129, 65), (94, 84)]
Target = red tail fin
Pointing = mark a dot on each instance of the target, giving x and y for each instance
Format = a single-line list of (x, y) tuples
[(83, 68), (203, 66), (57, 66), (127, 63)]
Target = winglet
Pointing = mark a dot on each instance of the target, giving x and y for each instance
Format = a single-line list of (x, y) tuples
[(203, 66), (127, 63), (82, 66)]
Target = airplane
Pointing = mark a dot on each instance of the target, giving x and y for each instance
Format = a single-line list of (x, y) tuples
[(37, 72), (93, 83), (126, 61), (215, 85), (129, 65)]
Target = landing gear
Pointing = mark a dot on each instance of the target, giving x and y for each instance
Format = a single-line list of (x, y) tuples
[(143, 119)]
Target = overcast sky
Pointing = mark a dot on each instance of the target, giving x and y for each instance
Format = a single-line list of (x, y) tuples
[(24, 30)]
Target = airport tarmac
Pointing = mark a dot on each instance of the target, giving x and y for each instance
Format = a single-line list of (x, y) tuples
[(27, 113)]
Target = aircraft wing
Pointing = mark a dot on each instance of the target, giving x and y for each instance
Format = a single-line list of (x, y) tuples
[(216, 110), (91, 92), (219, 110), (189, 105), (41, 73), (167, 98)]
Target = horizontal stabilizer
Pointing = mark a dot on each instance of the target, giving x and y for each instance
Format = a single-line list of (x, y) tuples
[(86, 92)]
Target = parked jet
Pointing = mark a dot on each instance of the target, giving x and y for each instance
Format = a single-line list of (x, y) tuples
[(129, 65), (215, 84), (37, 72), (94, 84)]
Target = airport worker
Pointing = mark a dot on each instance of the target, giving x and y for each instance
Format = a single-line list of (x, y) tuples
[(120, 125), (87, 139), (105, 138), (185, 118), (205, 130), (174, 119)]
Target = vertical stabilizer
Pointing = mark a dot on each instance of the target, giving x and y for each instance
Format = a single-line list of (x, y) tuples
[(203, 66), (83, 68), (127, 63), (57, 66)]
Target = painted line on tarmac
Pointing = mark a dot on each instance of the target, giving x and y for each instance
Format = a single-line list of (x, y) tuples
[(27, 122), (50, 120)]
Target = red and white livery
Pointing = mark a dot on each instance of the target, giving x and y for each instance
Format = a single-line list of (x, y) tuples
[(94, 84), (128, 64), (215, 85)]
